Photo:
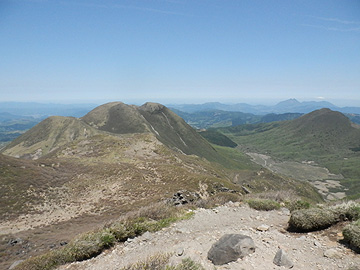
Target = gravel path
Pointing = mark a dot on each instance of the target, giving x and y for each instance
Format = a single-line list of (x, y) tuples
[(193, 238)]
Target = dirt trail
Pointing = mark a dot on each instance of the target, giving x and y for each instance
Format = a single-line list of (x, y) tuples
[(193, 238)]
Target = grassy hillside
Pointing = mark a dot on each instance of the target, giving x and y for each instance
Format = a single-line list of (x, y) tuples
[(323, 136), (47, 136)]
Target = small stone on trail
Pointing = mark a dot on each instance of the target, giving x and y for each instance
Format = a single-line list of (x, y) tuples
[(317, 243), (332, 253), (147, 236), (281, 259), (180, 251), (263, 228)]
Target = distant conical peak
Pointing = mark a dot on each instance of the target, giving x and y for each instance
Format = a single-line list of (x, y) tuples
[(291, 101)]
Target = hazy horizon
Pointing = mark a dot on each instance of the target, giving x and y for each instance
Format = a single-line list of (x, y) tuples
[(166, 51), (338, 103)]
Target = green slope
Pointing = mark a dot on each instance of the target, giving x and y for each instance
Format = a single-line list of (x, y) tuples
[(324, 136)]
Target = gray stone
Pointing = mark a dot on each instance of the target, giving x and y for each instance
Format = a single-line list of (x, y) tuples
[(281, 259), (231, 247), (147, 236), (332, 253)]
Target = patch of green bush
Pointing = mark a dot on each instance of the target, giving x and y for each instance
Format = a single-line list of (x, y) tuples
[(186, 264), (297, 205), (351, 234), (319, 218), (263, 204), (312, 219)]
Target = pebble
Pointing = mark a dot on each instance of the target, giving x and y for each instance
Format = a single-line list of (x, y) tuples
[(180, 251), (263, 228), (317, 243)]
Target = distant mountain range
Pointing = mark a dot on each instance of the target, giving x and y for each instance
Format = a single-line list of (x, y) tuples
[(287, 106)]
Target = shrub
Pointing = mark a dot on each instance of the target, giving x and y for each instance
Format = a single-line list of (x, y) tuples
[(156, 262), (297, 205), (187, 264), (263, 204), (347, 210), (351, 234), (312, 219), (160, 262)]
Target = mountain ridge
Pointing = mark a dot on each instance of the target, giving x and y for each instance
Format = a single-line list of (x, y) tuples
[(115, 118), (286, 106)]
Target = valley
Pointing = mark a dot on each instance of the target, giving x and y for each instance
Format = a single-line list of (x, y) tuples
[(327, 184)]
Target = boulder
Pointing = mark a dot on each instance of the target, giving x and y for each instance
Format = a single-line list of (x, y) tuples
[(231, 247), (184, 197), (281, 259)]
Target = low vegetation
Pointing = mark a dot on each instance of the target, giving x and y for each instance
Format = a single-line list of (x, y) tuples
[(351, 234), (263, 204), (161, 262), (273, 200), (321, 217), (218, 138), (91, 244)]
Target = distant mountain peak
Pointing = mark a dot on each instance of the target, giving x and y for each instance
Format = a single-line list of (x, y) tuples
[(288, 102)]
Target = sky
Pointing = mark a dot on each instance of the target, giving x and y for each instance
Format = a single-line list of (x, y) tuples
[(180, 51)]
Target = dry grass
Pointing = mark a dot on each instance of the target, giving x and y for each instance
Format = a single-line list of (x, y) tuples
[(91, 244), (220, 198), (263, 204), (161, 262), (156, 262)]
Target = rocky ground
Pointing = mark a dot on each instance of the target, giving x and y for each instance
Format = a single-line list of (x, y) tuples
[(193, 239)]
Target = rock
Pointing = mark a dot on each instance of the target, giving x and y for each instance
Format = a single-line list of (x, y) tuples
[(63, 243), (263, 228), (281, 259), (16, 263), (317, 243), (332, 253), (231, 247), (147, 236), (246, 190), (184, 197), (13, 242), (179, 251)]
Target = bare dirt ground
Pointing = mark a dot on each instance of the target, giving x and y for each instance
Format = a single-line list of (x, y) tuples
[(193, 238), (319, 177)]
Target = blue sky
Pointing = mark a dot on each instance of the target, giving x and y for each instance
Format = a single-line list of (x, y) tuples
[(180, 51)]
